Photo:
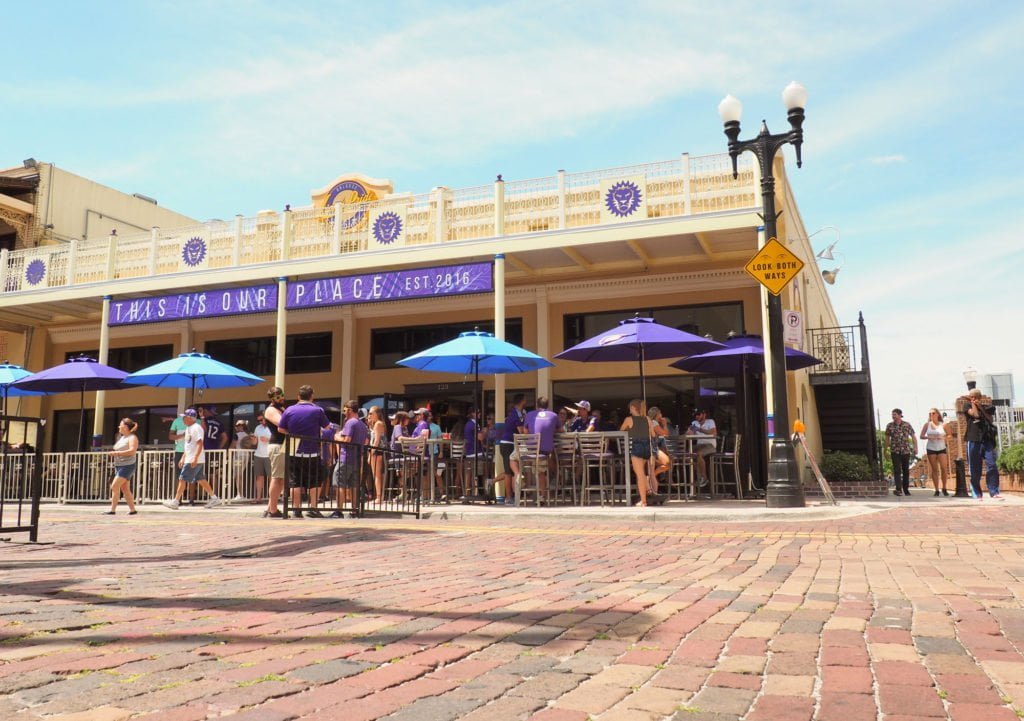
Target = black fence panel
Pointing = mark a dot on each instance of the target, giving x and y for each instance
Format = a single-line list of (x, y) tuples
[(21, 477)]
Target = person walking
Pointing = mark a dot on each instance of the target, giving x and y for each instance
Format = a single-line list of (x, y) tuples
[(935, 433), (902, 443), (981, 443), (125, 463), (192, 463)]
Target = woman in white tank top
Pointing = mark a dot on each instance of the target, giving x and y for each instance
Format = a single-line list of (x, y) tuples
[(934, 431)]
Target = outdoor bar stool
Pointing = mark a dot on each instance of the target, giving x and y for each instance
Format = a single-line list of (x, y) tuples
[(455, 469), (722, 462), (682, 467), (414, 466), (596, 463), (567, 467), (532, 465)]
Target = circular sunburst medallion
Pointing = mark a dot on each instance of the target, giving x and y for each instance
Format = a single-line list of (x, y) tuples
[(387, 228), (35, 271), (623, 198), (193, 252)]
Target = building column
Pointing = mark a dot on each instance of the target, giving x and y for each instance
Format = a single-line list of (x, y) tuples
[(347, 353), (543, 341), (282, 331), (184, 346), (104, 354), (499, 332)]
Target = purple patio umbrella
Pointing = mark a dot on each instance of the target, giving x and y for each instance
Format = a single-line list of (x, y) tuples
[(741, 354), (78, 374), (638, 339)]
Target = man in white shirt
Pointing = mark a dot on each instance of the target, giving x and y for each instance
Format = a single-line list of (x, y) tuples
[(261, 456), (192, 463), (702, 425)]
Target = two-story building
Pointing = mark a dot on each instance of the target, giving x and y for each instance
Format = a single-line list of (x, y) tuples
[(334, 293)]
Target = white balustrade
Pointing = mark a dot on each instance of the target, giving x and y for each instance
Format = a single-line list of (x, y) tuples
[(701, 184)]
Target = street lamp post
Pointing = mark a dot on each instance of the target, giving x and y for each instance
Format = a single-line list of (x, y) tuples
[(784, 489)]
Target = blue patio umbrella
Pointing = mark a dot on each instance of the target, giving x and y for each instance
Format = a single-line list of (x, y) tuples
[(638, 339), (476, 352), (8, 374), (193, 370), (78, 374)]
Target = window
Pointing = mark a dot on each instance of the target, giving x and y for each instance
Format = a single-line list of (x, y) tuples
[(304, 353), (129, 359), (717, 319), (388, 345)]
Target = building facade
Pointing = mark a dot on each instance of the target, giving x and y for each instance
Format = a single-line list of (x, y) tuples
[(334, 293)]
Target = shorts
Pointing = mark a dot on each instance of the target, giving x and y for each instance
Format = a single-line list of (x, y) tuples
[(506, 456), (346, 475), (304, 471), (126, 471), (261, 466), (275, 452), (191, 474), (704, 450), (640, 448), (936, 453)]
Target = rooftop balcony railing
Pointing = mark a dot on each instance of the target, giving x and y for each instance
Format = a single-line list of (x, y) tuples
[(674, 188)]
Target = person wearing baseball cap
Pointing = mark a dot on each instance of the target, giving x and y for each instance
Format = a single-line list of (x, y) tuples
[(193, 462), (583, 422), (422, 418)]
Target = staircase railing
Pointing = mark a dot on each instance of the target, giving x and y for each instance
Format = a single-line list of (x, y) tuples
[(842, 349)]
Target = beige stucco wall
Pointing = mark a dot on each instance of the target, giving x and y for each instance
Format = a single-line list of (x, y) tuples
[(84, 209)]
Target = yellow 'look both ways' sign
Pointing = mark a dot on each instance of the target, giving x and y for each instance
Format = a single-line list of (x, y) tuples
[(774, 266)]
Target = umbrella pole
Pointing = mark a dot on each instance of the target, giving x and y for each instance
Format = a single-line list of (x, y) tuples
[(476, 425), (643, 379), (81, 420)]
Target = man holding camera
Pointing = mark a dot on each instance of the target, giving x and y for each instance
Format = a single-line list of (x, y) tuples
[(981, 443)]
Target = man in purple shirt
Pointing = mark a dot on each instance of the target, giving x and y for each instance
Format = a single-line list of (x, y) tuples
[(546, 423), (421, 417), (473, 437), (304, 419), (348, 470)]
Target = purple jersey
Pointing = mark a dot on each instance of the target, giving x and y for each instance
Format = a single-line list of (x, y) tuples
[(512, 422), (420, 427), (396, 433), (358, 433), (304, 419), (545, 423), (469, 431)]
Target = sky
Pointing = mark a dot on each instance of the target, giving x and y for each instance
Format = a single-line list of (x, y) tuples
[(913, 149)]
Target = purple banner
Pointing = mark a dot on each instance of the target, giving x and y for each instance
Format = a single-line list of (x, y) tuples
[(391, 285), (369, 288), (200, 304)]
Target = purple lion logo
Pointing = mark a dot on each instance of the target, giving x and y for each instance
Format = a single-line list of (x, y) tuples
[(35, 271), (623, 198), (193, 251), (387, 228)]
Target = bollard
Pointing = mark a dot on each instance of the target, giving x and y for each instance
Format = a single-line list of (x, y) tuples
[(961, 479)]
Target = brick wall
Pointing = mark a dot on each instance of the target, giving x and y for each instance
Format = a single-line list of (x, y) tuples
[(851, 489)]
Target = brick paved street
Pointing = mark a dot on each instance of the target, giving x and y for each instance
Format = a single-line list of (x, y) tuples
[(910, 612)]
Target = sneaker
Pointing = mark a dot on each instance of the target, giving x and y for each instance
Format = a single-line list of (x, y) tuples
[(239, 499), (703, 482), (313, 513), (997, 496), (337, 514), (296, 513), (173, 503), (214, 502)]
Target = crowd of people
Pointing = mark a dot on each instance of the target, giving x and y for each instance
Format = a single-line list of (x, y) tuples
[(980, 435), (332, 467)]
